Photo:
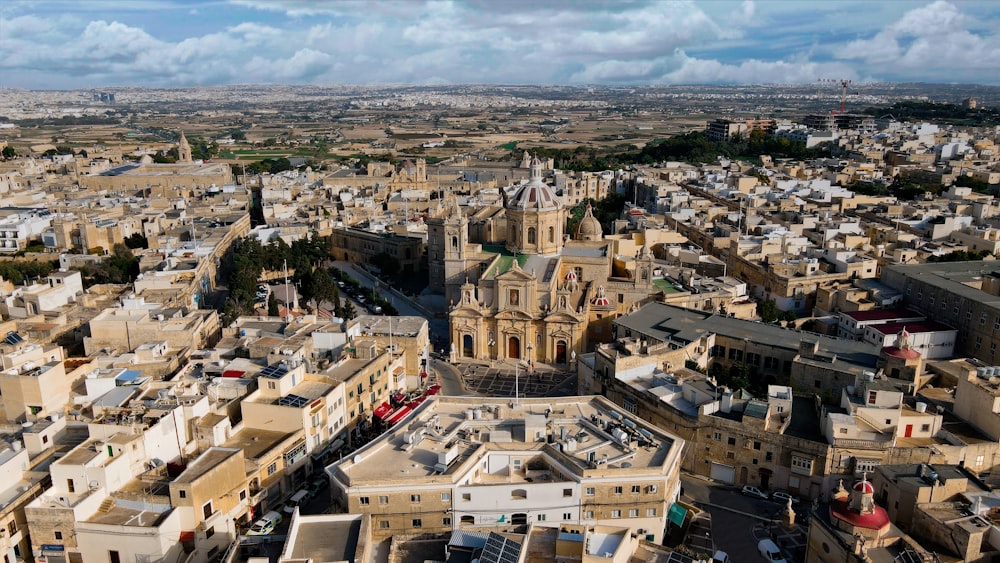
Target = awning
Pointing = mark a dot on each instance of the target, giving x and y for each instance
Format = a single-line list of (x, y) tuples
[(676, 514), (398, 415), (233, 373), (382, 410)]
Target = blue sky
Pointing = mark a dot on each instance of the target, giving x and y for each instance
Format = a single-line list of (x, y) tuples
[(83, 44)]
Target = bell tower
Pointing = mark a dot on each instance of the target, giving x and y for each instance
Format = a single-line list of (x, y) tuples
[(455, 230)]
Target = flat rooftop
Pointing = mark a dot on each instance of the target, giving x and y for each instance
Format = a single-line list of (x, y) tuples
[(586, 433), (205, 463), (324, 538)]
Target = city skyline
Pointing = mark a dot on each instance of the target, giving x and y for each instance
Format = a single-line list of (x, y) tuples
[(65, 45)]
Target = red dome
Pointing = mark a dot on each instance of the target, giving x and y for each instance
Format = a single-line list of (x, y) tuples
[(864, 487), (903, 353), (877, 520)]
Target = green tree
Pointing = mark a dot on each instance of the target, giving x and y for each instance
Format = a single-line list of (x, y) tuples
[(347, 312), (768, 310), (8, 152), (272, 305), (136, 240)]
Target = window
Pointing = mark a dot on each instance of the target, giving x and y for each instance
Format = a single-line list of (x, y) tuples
[(540, 517), (70, 486), (446, 521), (414, 498), (982, 319), (769, 456), (520, 494), (589, 491), (756, 445), (206, 510), (383, 500), (517, 464), (567, 492), (731, 441), (651, 489), (58, 535), (417, 523), (771, 363), (114, 557), (210, 532), (271, 385), (243, 494), (384, 524), (616, 513), (630, 405), (925, 427), (871, 397), (730, 455), (801, 464), (552, 234), (635, 489), (864, 465), (513, 298), (445, 497), (618, 489), (633, 513), (365, 501), (567, 515), (753, 461), (979, 460), (718, 436), (588, 514), (650, 512), (272, 468), (466, 496)]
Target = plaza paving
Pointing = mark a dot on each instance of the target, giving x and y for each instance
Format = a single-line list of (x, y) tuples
[(501, 379)]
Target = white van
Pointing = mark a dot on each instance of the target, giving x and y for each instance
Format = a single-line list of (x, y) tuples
[(266, 524), (769, 551), (297, 499)]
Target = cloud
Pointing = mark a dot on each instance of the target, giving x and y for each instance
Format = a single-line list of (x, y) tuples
[(932, 39), (485, 41)]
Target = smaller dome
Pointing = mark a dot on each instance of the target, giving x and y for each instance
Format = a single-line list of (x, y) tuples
[(864, 487), (589, 227), (901, 353), (571, 275), (601, 300)]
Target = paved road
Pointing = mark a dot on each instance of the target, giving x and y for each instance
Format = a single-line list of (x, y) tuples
[(739, 521), (438, 327)]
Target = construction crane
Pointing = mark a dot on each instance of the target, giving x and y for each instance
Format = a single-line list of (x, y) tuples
[(844, 83)]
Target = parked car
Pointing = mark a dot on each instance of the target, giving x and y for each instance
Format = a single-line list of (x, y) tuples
[(751, 491), (769, 551), (297, 499), (266, 524), (783, 497), (721, 557)]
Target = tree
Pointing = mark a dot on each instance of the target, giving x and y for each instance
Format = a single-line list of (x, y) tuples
[(272, 305), (348, 312), (768, 310), (8, 152), (136, 240)]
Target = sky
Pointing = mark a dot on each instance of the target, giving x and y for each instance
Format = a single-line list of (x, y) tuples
[(173, 43)]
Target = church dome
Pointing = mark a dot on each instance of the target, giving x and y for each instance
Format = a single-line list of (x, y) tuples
[(571, 275), (589, 227), (536, 195), (864, 487), (601, 300)]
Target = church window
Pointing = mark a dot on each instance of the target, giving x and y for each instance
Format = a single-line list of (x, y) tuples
[(514, 297), (454, 242), (531, 235), (552, 234), (645, 275)]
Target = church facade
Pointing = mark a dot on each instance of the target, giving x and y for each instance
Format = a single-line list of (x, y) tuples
[(541, 297)]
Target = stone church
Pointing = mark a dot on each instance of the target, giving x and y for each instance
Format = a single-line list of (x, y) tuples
[(542, 296)]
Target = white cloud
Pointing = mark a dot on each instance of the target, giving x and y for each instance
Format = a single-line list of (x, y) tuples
[(510, 41)]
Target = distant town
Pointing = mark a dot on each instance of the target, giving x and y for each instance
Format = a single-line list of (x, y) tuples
[(500, 323)]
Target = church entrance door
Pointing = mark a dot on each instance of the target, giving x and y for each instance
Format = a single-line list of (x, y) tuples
[(561, 352), (467, 350), (514, 348)]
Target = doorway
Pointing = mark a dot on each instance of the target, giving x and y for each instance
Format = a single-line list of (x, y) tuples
[(514, 348), (467, 350), (561, 352)]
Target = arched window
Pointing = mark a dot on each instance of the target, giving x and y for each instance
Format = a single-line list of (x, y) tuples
[(552, 234), (454, 242), (531, 235)]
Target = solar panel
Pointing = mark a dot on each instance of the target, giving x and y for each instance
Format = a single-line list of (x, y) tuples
[(13, 338), (293, 400), (274, 371), (499, 549)]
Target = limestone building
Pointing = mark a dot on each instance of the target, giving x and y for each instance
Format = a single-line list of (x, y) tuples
[(541, 296)]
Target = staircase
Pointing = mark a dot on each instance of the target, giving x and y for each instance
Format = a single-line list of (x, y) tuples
[(107, 505)]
